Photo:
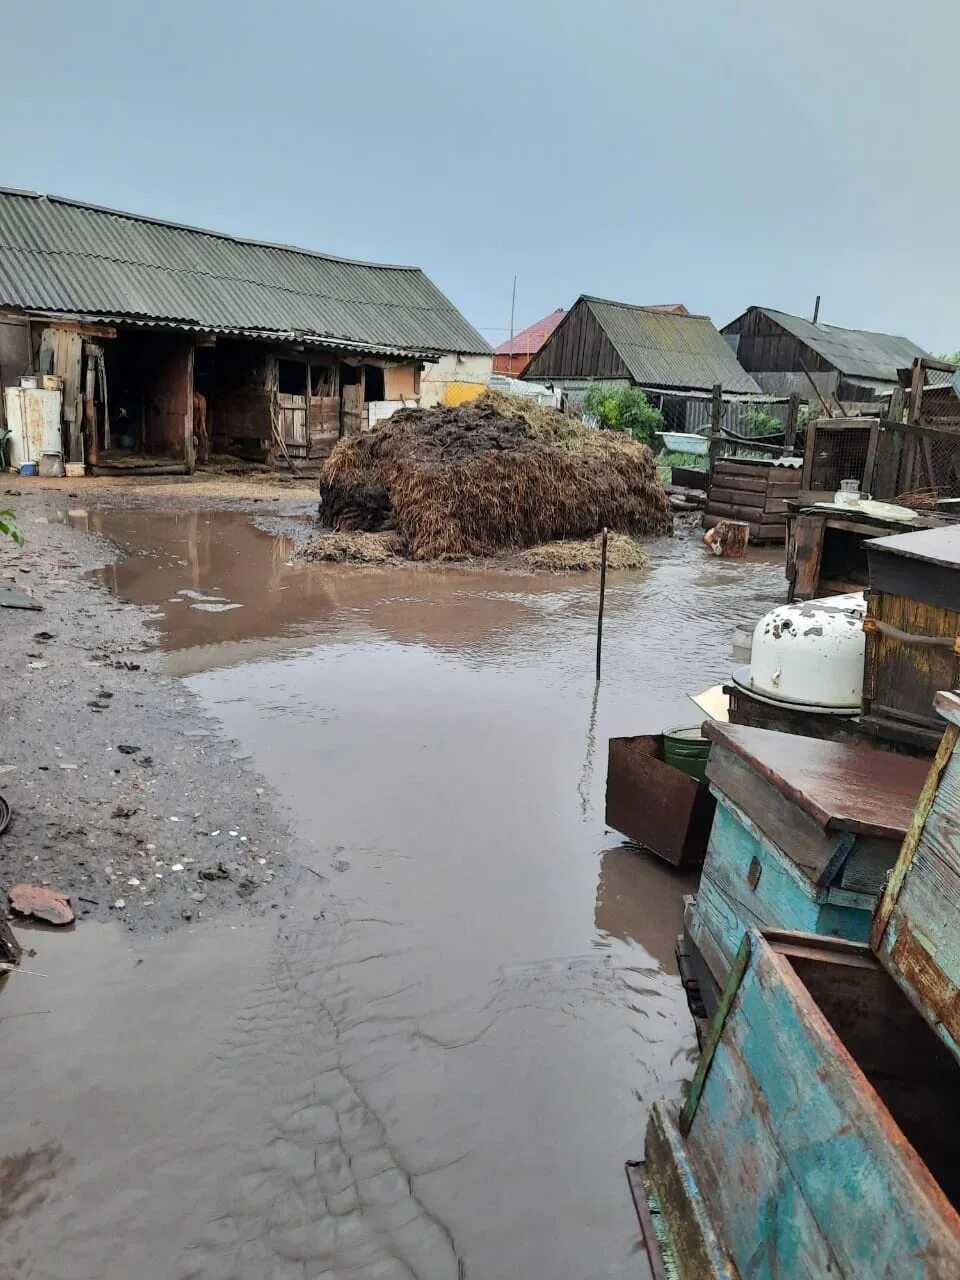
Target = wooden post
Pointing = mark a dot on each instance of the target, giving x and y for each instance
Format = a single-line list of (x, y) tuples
[(603, 591), (716, 420), (827, 411), (898, 402), (916, 392), (90, 411), (793, 415)]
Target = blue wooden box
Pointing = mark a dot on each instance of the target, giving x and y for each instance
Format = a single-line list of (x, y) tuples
[(821, 1134), (804, 833)]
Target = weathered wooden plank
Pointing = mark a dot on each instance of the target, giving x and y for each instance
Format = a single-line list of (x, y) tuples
[(698, 1251), (842, 787), (912, 839), (736, 497), (715, 1034), (727, 479), (744, 467), (787, 825), (877, 1207), (808, 549), (747, 882), (733, 511), (768, 1225)]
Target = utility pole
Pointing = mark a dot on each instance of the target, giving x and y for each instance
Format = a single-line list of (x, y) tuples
[(513, 307)]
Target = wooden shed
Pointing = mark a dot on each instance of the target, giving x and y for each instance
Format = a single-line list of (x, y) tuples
[(784, 354), (670, 354)]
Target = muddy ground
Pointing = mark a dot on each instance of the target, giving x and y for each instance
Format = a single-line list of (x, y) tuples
[(123, 794), (436, 1062)]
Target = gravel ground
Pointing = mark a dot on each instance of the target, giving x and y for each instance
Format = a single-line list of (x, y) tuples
[(123, 794)]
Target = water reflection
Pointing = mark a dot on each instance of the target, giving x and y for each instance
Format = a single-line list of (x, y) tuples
[(637, 901)]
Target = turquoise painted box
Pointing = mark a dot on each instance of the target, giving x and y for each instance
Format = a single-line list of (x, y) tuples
[(804, 834), (821, 1134)]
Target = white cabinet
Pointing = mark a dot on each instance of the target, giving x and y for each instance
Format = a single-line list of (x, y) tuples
[(33, 419)]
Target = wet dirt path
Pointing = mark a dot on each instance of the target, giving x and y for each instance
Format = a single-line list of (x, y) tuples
[(435, 1063)]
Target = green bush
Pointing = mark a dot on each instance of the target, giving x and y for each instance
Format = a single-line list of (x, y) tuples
[(623, 409), (9, 528), (760, 423)]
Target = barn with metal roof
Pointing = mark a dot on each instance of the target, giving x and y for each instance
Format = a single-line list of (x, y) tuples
[(286, 348), (674, 357), (786, 354)]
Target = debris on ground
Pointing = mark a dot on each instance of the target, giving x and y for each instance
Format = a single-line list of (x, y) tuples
[(10, 948), (493, 475), (572, 554), (39, 903), (220, 872), (355, 548), (728, 538)]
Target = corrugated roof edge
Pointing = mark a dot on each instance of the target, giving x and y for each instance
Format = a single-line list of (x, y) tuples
[(205, 231), (820, 324), (284, 336), (638, 306)]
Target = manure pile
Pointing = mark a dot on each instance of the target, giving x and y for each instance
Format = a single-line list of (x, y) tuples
[(489, 476)]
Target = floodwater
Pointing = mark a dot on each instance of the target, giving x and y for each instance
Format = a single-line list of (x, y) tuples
[(436, 1063)]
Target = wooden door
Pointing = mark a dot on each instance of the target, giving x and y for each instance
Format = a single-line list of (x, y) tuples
[(293, 422), (352, 405)]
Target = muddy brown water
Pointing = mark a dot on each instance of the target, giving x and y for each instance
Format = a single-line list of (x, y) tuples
[(436, 1064)]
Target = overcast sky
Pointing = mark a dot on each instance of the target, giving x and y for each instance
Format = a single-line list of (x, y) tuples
[(713, 152)]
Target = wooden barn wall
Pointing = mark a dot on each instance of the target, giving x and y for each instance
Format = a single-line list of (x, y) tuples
[(766, 347), (168, 398), (239, 410), (577, 348)]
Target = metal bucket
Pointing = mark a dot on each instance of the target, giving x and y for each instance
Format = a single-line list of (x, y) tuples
[(687, 750)]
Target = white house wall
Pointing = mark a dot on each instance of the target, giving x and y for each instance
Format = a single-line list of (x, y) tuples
[(451, 372)]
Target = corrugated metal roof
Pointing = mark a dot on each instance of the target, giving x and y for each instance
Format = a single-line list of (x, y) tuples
[(528, 341), (61, 256), (856, 352), (665, 349)]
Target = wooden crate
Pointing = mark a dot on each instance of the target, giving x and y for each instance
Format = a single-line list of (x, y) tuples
[(803, 835), (654, 804), (913, 627), (827, 553), (756, 491), (820, 1133)]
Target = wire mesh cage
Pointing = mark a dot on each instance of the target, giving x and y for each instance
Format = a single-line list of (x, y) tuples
[(838, 450)]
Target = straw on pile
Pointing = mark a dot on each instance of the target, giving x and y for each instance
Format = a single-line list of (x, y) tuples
[(493, 474), (355, 548), (580, 554)]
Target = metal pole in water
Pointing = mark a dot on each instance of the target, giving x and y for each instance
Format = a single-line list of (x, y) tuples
[(603, 590)]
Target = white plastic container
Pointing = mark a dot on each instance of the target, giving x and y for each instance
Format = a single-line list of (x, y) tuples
[(811, 653)]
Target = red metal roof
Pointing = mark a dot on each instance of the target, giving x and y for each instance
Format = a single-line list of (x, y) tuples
[(529, 341)]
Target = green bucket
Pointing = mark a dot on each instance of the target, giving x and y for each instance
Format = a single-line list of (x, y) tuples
[(687, 750)]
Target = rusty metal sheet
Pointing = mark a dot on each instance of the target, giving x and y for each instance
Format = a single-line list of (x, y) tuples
[(656, 805), (842, 787)]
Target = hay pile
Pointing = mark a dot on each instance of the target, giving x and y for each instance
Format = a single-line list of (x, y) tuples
[(355, 548), (494, 474), (623, 552)]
